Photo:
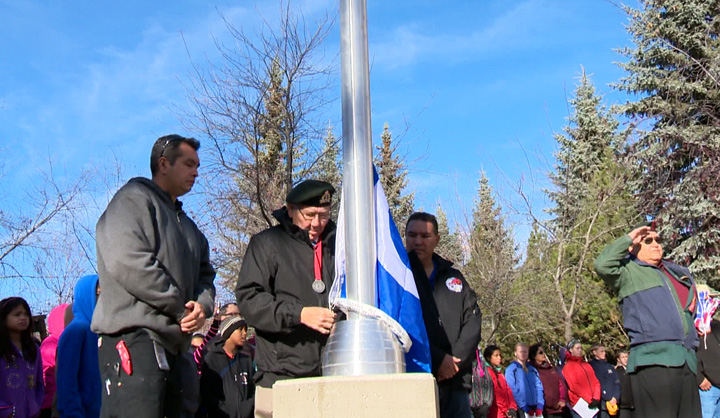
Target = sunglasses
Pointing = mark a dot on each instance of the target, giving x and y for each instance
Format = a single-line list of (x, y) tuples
[(649, 240), (167, 142), (540, 352)]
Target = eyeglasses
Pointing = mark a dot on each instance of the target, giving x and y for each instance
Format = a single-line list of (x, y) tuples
[(323, 217), (649, 240)]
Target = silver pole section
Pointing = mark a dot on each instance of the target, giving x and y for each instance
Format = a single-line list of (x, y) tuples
[(358, 196), (359, 345)]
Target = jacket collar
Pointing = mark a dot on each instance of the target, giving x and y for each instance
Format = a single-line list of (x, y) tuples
[(543, 365), (570, 357), (645, 264), (441, 264), (162, 194)]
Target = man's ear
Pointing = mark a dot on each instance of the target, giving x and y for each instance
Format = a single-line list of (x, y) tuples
[(163, 163)]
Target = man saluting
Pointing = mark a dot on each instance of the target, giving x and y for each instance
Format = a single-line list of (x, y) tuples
[(657, 299)]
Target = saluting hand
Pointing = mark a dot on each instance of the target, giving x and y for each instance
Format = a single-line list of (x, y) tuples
[(194, 318), (319, 319), (637, 234)]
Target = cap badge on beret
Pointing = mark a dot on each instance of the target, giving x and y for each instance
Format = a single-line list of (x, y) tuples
[(326, 198), (311, 193)]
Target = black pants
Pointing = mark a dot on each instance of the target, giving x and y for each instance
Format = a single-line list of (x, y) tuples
[(454, 403), (148, 392), (665, 392)]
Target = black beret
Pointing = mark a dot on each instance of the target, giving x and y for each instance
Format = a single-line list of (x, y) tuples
[(311, 193), (651, 224)]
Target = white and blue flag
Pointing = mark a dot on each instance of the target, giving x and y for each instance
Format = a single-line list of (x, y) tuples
[(397, 295)]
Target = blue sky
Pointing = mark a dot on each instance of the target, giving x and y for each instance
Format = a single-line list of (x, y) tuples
[(469, 84)]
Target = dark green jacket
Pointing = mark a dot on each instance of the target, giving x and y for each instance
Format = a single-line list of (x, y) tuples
[(659, 334)]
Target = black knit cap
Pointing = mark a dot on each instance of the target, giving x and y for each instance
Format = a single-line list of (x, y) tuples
[(311, 193), (229, 325)]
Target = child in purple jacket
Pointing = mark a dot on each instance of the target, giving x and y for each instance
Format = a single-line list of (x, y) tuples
[(21, 372)]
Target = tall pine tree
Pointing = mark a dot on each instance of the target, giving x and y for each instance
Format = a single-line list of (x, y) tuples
[(329, 167), (491, 267), (591, 207), (450, 246), (393, 177), (674, 70)]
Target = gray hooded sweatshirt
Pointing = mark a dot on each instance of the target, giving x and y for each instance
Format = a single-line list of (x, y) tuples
[(152, 259)]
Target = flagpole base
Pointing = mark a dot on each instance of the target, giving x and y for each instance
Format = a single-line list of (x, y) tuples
[(388, 396), (359, 347)]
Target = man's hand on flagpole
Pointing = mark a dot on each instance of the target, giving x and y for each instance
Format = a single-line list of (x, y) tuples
[(448, 368), (319, 319)]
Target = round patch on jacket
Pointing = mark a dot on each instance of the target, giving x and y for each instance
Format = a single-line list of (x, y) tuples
[(454, 284)]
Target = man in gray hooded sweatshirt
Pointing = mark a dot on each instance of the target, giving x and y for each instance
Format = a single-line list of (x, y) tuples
[(157, 284)]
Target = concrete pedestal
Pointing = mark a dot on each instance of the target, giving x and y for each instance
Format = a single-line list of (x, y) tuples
[(387, 396)]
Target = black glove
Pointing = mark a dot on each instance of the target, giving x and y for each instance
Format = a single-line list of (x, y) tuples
[(512, 412), (594, 404), (481, 410)]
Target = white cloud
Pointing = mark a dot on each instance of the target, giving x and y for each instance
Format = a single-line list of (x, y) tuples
[(524, 26)]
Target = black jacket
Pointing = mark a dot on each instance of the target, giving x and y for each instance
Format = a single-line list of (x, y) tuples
[(708, 354), (451, 315), (275, 283), (226, 385), (626, 396), (608, 378)]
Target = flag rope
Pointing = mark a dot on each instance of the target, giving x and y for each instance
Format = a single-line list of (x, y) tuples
[(347, 305)]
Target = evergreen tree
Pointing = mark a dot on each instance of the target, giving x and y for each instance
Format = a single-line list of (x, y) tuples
[(591, 207), (590, 131), (393, 177), (674, 71), (491, 267), (329, 167), (450, 246)]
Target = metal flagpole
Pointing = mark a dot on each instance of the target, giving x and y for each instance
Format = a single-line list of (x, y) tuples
[(357, 154), (359, 345)]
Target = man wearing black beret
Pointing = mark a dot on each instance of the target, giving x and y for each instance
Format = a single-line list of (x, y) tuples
[(283, 289)]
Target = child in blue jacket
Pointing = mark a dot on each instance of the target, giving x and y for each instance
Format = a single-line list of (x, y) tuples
[(78, 375)]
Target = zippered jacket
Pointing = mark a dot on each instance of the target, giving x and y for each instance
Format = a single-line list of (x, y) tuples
[(526, 386), (226, 384), (152, 259), (452, 317), (48, 350), (708, 354), (608, 378), (21, 385), (274, 284), (554, 389), (79, 385), (581, 380), (660, 326), (504, 399)]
